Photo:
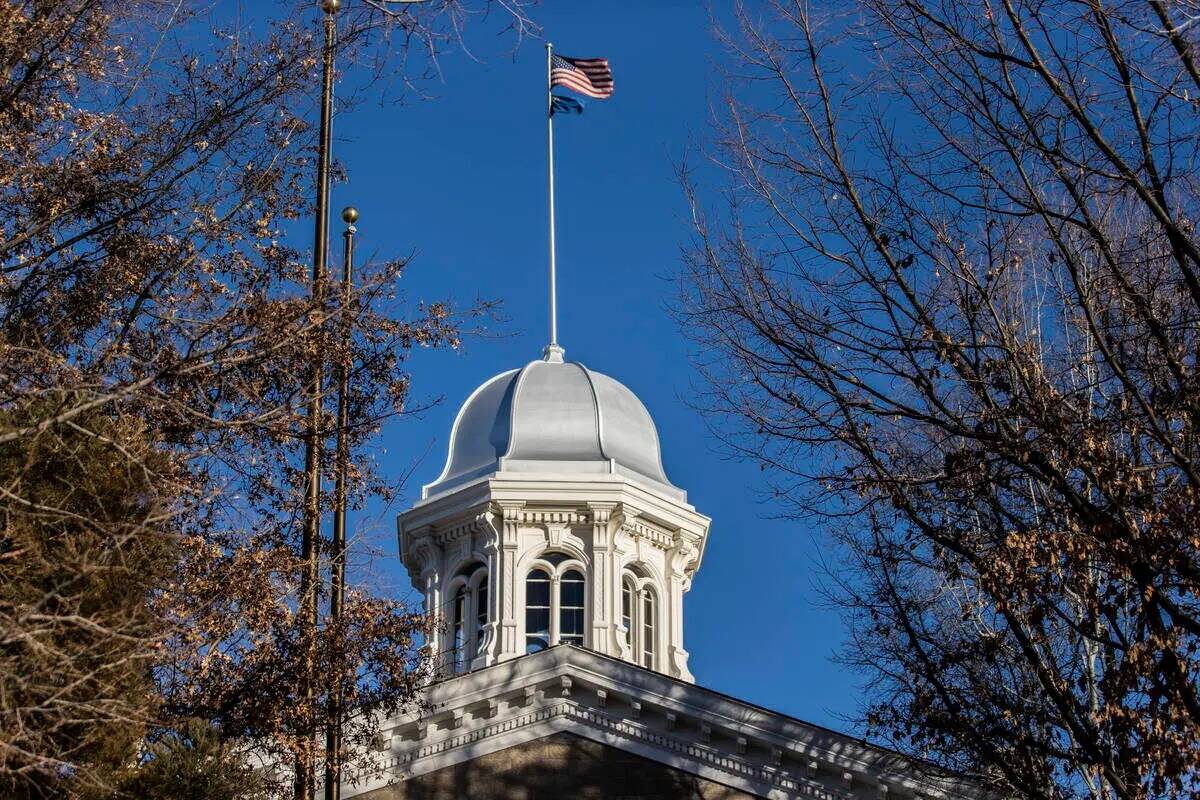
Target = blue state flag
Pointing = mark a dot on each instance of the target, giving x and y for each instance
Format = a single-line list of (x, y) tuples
[(564, 105)]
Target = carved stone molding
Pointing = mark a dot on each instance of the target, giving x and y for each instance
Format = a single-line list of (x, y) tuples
[(553, 517), (508, 521), (793, 784), (636, 529), (684, 557), (477, 523), (664, 719)]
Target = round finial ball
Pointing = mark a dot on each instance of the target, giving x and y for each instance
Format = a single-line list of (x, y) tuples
[(330, 6), (349, 215)]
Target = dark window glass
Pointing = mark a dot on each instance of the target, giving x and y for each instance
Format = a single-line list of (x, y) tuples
[(481, 612), (537, 589), (555, 558), (537, 611), (648, 630), (470, 569), (571, 629), (537, 621), (572, 590), (627, 609), (571, 607), (458, 640)]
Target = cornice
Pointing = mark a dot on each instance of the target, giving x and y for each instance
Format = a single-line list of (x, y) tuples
[(552, 516), (558, 500), (598, 725), (548, 488), (677, 723), (640, 530)]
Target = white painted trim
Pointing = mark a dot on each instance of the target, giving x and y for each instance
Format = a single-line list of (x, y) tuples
[(636, 638), (568, 717), (464, 524), (498, 696), (528, 565), (536, 488)]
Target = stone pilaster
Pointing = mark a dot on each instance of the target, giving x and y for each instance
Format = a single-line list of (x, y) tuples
[(506, 585), (680, 562), (603, 619), (490, 533), (429, 558)]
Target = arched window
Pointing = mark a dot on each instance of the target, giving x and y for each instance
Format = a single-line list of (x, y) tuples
[(647, 627), (458, 638), (537, 611), (628, 593), (639, 617), (468, 616), (570, 608), (555, 603), (481, 612)]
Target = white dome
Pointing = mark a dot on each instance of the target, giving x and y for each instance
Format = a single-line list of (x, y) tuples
[(553, 417)]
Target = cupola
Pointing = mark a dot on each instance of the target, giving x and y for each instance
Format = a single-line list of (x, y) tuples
[(554, 523), (556, 417)]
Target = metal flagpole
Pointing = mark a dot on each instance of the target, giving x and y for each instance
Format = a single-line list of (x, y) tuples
[(553, 351), (337, 577), (305, 778)]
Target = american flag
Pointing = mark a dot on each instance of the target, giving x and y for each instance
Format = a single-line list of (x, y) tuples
[(590, 76)]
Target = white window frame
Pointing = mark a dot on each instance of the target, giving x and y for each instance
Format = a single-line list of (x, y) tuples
[(556, 573), (460, 661), (635, 632)]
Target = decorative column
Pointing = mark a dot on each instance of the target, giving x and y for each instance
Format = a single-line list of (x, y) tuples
[(489, 532), (429, 583), (622, 545), (506, 584), (604, 615), (680, 560)]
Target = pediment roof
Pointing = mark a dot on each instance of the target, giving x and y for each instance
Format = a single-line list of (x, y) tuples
[(685, 726)]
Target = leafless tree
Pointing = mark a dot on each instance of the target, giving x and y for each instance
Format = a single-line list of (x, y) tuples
[(154, 331), (951, 302)]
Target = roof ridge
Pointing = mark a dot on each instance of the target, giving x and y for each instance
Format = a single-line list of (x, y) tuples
[(518, 382), (587, 373)]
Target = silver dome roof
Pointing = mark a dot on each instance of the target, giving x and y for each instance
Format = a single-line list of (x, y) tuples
[(553, 417)]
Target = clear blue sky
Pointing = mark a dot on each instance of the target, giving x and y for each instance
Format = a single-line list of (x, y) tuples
[(460, 181)]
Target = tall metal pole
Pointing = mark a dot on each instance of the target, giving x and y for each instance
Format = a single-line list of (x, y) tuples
[(305, 782), (553, 351), (337, 590)]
